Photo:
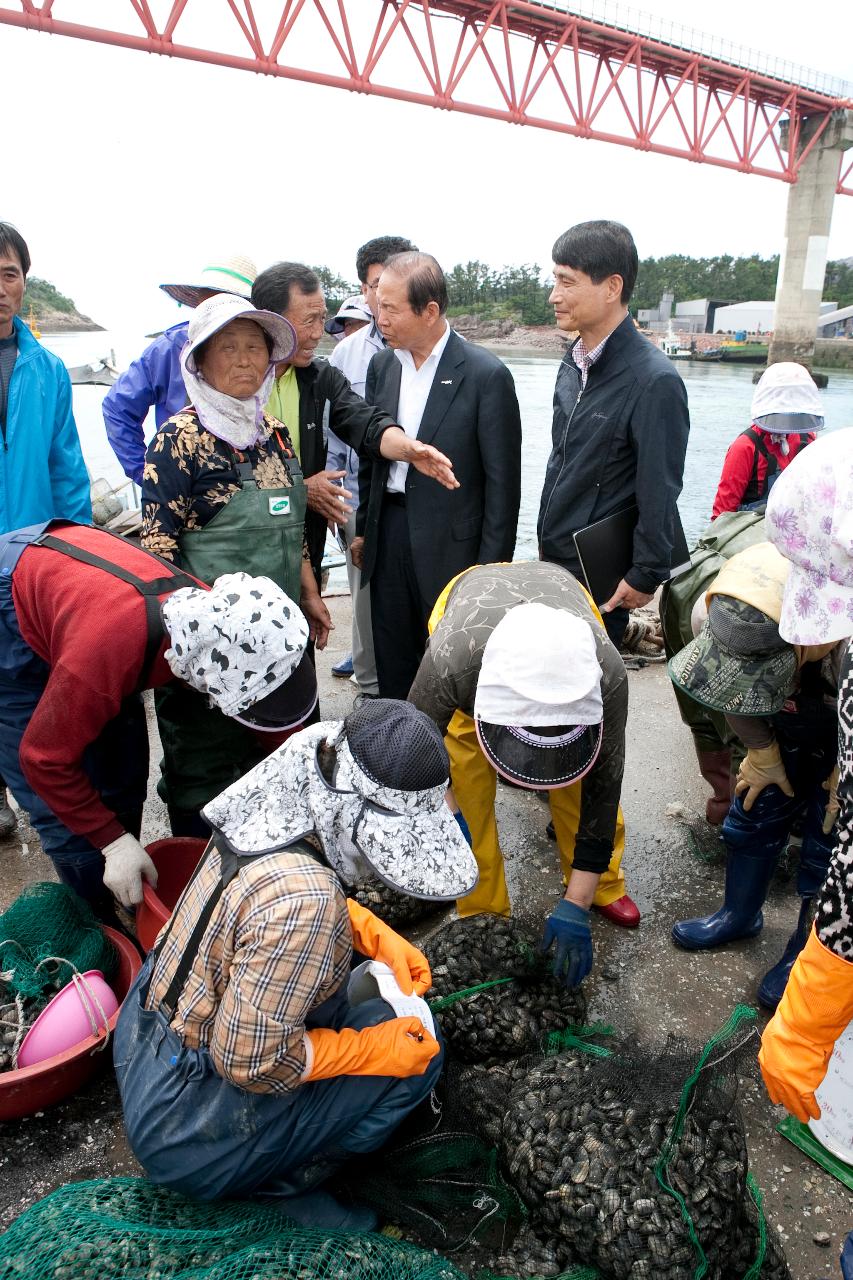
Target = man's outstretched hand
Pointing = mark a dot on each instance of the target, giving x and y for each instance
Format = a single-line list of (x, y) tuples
[(396, 446)]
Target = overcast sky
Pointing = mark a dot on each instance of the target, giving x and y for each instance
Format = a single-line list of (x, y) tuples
[(124, 169)]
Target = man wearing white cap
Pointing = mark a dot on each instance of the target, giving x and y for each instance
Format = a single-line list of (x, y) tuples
[(155, 379), (88, 621), (353, 314), (786, 412), (520, 676)]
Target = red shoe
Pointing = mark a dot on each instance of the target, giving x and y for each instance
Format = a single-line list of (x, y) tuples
[(624, 912)]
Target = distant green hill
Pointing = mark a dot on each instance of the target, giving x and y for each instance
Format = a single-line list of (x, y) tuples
[(52, 309)]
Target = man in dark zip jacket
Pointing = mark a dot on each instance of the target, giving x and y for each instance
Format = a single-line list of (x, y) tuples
[(620, 418)]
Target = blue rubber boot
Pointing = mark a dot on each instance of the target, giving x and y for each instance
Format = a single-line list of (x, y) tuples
[(747, 881), (847, 1258), (753, 841), (815, 854), (773, 983)]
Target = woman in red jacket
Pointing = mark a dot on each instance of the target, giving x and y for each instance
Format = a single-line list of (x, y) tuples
[(786, 412)]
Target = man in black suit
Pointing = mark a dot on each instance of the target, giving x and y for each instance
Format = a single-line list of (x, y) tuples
[(414, 537)]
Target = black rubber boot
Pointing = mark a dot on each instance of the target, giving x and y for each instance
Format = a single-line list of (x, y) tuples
[(8, 820)]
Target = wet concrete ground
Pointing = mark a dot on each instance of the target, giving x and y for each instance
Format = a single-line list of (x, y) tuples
[(641, 983)]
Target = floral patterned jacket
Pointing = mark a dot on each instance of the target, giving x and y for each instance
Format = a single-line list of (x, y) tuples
[(190, 475)]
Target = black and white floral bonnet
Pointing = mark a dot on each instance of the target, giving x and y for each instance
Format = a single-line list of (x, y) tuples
[(238, 642), (386, 799)]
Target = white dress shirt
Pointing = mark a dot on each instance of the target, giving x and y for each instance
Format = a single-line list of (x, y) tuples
[(415, 386)]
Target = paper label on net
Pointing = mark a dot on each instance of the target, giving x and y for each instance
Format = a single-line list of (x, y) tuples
[(373, 978)]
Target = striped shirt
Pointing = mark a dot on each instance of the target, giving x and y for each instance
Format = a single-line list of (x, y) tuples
[(278, 944)]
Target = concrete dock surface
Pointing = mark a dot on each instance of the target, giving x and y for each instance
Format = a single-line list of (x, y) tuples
[(641, 983)]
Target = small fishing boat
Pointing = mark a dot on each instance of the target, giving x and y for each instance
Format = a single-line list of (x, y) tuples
[(100, 373), (675, 347)]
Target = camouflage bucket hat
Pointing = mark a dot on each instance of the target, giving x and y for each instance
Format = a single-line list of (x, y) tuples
[(738, 663)]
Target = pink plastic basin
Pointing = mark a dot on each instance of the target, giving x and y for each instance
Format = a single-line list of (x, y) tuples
[(32, 1089), (175, 859), (68, 1019)]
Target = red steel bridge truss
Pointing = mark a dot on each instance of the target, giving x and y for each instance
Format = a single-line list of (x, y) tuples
[(519, 61)]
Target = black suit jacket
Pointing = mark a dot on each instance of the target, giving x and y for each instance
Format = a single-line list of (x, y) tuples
[(472, 416)]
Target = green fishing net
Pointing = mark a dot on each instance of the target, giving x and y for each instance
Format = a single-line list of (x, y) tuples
[(49, 920), (126, 1228)]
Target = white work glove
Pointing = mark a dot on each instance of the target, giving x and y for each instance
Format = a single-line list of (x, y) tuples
[(125, 863)]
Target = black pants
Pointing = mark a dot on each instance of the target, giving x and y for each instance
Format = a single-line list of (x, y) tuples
[(399, 613), (616, 624)]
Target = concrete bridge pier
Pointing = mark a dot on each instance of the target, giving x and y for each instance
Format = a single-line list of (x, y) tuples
[(802, 266)]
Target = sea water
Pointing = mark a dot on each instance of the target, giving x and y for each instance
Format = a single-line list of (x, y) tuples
[(719, 396)]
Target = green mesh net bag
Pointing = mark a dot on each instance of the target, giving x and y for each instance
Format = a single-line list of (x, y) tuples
[(127, 1228), (636, 1164), (49, 920)]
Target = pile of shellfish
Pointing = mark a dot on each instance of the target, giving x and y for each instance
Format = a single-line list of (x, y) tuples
[(511, 1018)]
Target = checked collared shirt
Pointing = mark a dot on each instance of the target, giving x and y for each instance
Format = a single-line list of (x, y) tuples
[(586, 359), (278, 944)]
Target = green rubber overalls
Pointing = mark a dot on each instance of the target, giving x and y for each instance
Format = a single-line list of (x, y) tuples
[(260, 532)]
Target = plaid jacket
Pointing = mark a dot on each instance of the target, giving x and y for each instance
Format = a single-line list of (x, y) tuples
[(279, 943)]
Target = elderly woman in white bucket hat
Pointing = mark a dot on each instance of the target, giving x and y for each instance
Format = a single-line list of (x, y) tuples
[(155, 379), (810, 520), (223, 491)]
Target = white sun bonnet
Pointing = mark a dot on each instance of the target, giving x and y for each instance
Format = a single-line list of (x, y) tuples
[(539, 669)]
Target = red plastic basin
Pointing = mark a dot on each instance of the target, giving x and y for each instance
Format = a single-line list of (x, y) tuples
[(175, 859), (34, 1088)]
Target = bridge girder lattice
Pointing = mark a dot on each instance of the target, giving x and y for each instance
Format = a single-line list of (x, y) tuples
[(524, 62)]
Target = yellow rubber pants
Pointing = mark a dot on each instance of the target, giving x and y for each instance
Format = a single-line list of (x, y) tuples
[(474, 783)]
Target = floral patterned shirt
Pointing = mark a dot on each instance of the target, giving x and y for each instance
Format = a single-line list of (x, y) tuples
[(190, 474)]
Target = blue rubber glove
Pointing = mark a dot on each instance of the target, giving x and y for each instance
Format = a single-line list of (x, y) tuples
[(463, 827), (568, 927)]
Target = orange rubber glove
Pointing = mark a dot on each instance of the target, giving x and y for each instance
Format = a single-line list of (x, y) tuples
[(400, 1048), (799, 1039), (373, 937)]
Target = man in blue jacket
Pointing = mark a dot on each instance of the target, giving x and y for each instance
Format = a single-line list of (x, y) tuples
[(620, 419), (42, 472), (155, 379)]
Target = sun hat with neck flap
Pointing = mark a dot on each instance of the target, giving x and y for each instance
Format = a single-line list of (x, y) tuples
[(810, 521)]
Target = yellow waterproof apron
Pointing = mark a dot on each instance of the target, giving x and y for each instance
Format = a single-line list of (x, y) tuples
[(474, 783), (261, 532)]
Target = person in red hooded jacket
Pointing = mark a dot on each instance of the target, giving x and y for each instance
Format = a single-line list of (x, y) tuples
[(786, 412)]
